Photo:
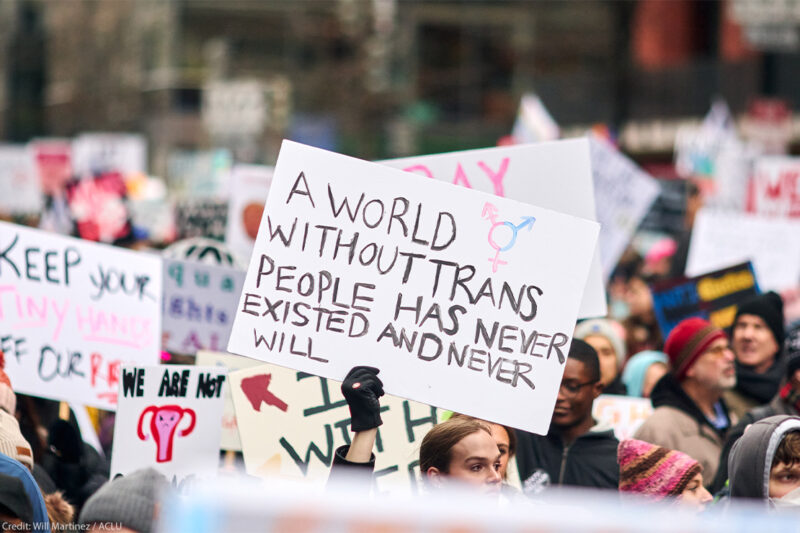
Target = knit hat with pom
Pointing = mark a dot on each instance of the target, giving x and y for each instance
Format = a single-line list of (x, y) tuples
[(8, 400), (654, 471)]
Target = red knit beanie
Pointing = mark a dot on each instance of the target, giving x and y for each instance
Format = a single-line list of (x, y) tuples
[(687, 341)]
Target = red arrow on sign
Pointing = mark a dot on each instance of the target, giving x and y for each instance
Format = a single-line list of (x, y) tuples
[(256, 389)]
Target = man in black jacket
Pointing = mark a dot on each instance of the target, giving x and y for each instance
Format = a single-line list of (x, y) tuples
[(576, 451)]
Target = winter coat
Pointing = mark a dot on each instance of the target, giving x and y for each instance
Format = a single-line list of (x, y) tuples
[(678, 424), (751, 457), (343, 470), (590, 461), (778, 406), (14, 468), (753, 389)]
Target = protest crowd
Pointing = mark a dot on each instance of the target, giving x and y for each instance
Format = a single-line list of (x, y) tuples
[(509, 323)]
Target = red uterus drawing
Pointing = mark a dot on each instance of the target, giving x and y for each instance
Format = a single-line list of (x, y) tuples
[(162, 426)]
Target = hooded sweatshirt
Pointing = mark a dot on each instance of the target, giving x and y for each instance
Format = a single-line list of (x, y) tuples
[(751, 458)]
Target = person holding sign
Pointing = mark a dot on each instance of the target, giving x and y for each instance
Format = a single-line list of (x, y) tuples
[(458, 451), (577, 450)]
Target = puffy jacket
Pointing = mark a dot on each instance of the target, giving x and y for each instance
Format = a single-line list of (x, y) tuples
[(590, 461), (678, 424), (751, 457)]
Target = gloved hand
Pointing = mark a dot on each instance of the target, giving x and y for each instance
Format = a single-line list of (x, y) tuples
[(362, 388)]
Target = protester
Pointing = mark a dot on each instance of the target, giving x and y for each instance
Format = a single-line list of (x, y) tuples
[(643, 371), (610, 348), (758, 334), (765, 462), (12, 467), (131, 501), (577, 450), (458, 451), (641, 328), (690, 415), (506, 440), (786, 402), (659, 473), (15, 506)]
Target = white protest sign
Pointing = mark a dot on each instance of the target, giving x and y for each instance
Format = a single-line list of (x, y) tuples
[(721, 239), (555, 175), (775, 187), (291, 423), (168, 419), (20, 189), (249, 187), (72, 312), (623, 413), (534, 123), (230, 428), (464, 300), (199, 304), (109, 152), (623, 195)]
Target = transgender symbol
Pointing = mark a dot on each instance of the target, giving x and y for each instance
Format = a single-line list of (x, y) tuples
[(162, 427), (490, 213)]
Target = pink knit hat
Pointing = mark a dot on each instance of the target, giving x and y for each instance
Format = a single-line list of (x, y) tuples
[(657, 472), (8, 400)]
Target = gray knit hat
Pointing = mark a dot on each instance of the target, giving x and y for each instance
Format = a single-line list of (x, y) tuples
[(129, 500)]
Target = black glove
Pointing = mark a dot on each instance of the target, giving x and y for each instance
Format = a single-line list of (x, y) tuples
[(362, 388)]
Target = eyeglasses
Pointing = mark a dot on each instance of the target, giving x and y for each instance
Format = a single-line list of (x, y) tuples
[(719, 351), (571, 388)]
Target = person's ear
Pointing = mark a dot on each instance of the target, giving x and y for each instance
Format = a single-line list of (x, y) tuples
[(434, 476), (597, 390)]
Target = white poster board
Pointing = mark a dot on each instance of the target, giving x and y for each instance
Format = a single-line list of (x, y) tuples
[(623, 413), (229, 439), (249, 187), (722, 239), (199, 304), (623, 195), (20, 189), (555, 175), (464, 300), (291, 424), (125, 153), (168, 419), (775, 187), (72, 312), (534, 122)]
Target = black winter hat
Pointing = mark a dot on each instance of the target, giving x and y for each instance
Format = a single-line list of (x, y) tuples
[(769, 307), (791, 350)]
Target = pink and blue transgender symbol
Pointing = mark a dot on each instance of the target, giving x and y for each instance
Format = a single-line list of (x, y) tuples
[(490, 213)]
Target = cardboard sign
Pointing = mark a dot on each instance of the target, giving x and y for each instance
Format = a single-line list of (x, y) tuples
[(713, 296), (52, 159), (230, 427), (98, 208), (199, 304), (291, 423), (555, 175), (168, 419), (775, 187), (201, 217), (97, 153), (623, 413), (249, 190), (198, 174), (623, 195), (667, 213), (72, 312), (723, 239), (20, 190), (448, 291)]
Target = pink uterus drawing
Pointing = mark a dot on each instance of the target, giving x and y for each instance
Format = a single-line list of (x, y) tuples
[(163, 425)]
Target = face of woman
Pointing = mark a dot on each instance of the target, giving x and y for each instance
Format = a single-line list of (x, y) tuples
[(500, 436), (606, 356), (695, 494), (474, 460)]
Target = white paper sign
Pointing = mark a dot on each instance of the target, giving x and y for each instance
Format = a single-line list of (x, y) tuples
[(534, 123), (291, 424), (249, 187), (230, 427), (723, 239), (20, 189), (464, 300), (623, 195), (105, 152), (623, 413), (199, 304), (555, 175), (72, 312), (169, 419), (775, 187)]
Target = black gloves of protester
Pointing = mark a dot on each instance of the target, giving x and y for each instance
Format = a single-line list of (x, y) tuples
[(362, 388)]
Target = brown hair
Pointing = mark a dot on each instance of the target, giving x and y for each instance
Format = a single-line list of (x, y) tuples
[(788, 451), (437, 446), (512, 437)]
